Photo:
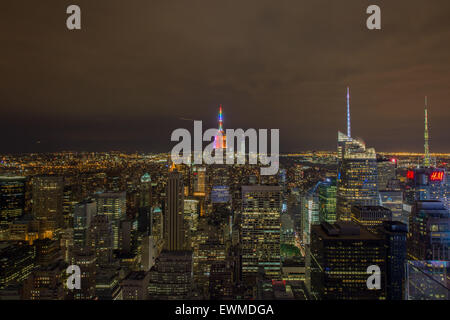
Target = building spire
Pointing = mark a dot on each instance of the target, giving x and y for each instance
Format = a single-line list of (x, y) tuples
[(220, 119), (426, 159), (348, 113), (220, 140)]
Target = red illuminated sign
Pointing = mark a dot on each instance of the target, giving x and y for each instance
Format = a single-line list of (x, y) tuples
[(437, 176), (410, 174)]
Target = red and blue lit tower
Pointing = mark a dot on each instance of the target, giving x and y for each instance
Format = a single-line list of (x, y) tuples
[(220, 141)]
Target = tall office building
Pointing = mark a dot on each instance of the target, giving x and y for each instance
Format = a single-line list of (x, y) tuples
[(357, 173), (12, 198), (310, 213), (83, 213), (357, 176), (429, 233), (47, 193), (145, 205), (199, 181), (340, 256), (386, 169), (101, 239), (171, 276), (327, 201), (112, 205), (394, 234), (427, 157), (260, 231), (174, 223)]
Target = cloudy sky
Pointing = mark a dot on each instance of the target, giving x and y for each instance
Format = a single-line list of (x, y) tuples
[(139, 68)]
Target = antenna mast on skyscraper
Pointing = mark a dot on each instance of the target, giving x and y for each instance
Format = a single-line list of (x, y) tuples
[(348, 112), (220, 119), (426, 159)]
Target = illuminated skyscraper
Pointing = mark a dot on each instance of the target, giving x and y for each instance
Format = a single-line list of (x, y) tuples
[(327, 201), (48, 203), (357, 176), (12, 198), (113, 205), (199, 181), (310, 213), (394, 234), (82, 217), (426, 159), (357, 172), (260, 231), (385, 171), (221, 139), (341, 254), (101, 239)]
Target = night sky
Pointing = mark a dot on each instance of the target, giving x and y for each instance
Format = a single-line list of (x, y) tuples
[(139, 69)]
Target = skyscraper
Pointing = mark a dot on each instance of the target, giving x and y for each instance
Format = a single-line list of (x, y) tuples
[(327, 201), (12, 198), (82, 216), (385, 171), (357, 176), (174, 224), (260, 231), (357, 172), (310, 213), (341, 254), (112, 205), (171, 276), (48, 203), (101, 239), (394, 234)]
